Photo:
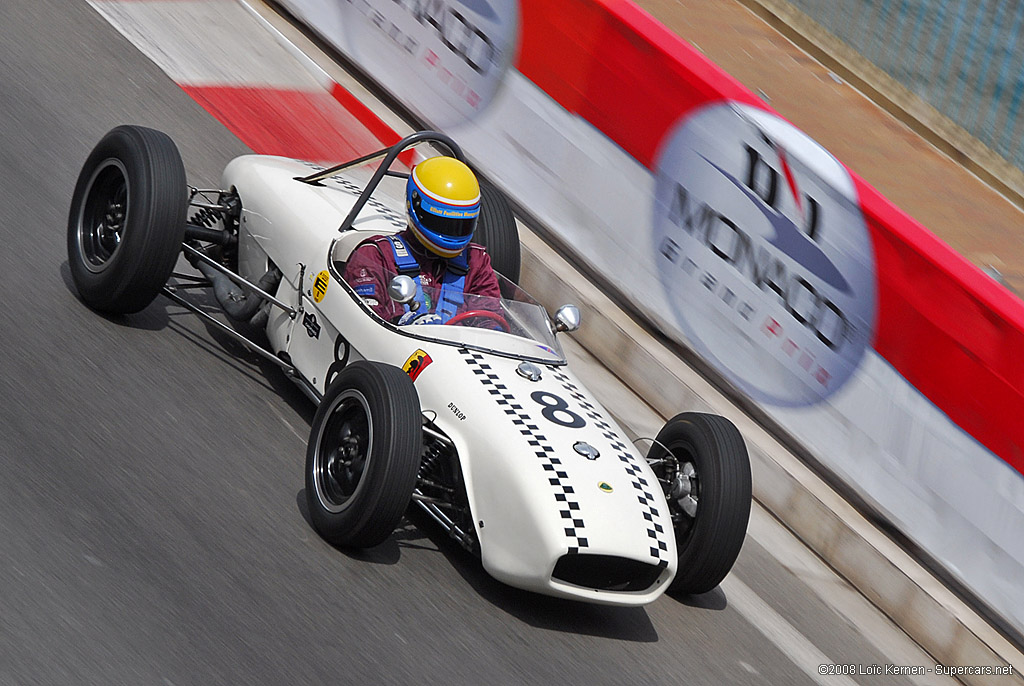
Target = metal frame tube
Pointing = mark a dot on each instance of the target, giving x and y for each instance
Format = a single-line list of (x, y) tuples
[(328, 173), (208, 205), (384, 168), (205, 203), (392, 154), (289, 369), (203, 233), (435, 513), (438, 435)]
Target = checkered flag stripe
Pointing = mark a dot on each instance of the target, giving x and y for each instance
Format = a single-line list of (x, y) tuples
[(569, 507), (657, 534)]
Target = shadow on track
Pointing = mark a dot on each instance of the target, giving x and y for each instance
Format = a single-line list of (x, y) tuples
[(418, 531), (163, 314), (542, 612), (237, 356), (714, 599), (389, 552), (150, 319)]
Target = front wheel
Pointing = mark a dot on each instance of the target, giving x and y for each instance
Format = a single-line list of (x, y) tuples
[(127, 219), (363, 455), (702, 463)]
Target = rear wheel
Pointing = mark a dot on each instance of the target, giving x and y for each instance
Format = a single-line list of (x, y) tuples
[(363, 455), (702, 463), (496, 230), (127, 219)]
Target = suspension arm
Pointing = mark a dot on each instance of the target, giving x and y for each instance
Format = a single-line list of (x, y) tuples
[(169, 291)]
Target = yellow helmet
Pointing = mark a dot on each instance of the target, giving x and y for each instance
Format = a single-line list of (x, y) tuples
[(443, 202)]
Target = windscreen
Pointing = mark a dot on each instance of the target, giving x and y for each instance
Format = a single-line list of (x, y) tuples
[(510, 323)]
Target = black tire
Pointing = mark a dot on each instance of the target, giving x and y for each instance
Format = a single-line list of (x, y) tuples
[(127, 219), (708, 536), (358, 489), (496, 230)]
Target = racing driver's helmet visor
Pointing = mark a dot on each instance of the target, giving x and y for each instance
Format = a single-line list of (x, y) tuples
[(444, 221)]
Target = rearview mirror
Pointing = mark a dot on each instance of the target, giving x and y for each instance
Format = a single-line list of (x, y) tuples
[(567, 318)]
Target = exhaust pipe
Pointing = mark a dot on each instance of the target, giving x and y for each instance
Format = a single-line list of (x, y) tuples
[(235, 301)]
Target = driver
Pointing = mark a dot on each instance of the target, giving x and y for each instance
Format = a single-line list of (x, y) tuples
[(443, 204)]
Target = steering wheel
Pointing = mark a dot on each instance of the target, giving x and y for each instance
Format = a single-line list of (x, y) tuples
[(480, 314)]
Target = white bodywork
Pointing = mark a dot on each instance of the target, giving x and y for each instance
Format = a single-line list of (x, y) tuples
[(534, 498)]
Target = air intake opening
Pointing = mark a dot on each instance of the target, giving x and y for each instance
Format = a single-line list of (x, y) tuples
[(606, 572)]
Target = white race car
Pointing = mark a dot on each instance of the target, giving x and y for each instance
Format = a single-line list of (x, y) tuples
[(478, 421)]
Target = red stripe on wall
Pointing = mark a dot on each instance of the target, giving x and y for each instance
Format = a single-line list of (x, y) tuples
[(364, 115), (374, 124), (302, 124), (614, 65), (948, 329)]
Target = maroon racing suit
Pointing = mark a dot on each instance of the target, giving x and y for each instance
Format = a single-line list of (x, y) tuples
[(372, 264)]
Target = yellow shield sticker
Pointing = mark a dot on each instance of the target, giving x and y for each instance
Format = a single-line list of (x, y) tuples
[(416, 363), (320, 286)]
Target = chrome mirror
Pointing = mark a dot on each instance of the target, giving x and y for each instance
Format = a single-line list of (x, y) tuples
[(402, 289), (567, 319)]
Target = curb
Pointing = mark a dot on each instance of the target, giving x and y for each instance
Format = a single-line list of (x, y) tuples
[(878, 568)]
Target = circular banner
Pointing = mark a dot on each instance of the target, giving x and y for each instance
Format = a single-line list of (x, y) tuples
[(764, 253), (445, 59)]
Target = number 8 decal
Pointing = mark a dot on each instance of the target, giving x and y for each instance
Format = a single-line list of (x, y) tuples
[(558, 411)]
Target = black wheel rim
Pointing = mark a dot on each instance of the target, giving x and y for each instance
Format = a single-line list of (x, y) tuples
[(104, 213), (343, 451)]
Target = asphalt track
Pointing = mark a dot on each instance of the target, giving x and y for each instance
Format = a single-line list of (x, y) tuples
[(152, 526)]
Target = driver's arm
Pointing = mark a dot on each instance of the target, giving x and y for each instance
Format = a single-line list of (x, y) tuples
[(482, 290), (367, 273), (480, 279)]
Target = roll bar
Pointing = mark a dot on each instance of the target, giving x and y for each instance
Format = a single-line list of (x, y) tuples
[(390, 154)]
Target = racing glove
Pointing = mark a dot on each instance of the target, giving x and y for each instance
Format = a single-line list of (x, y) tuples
[(425, 318)]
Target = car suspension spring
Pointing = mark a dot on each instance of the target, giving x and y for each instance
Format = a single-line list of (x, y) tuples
[(206, 217), (433, 452)]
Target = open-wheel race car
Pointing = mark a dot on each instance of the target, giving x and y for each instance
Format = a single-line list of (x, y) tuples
[(477, 420)]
